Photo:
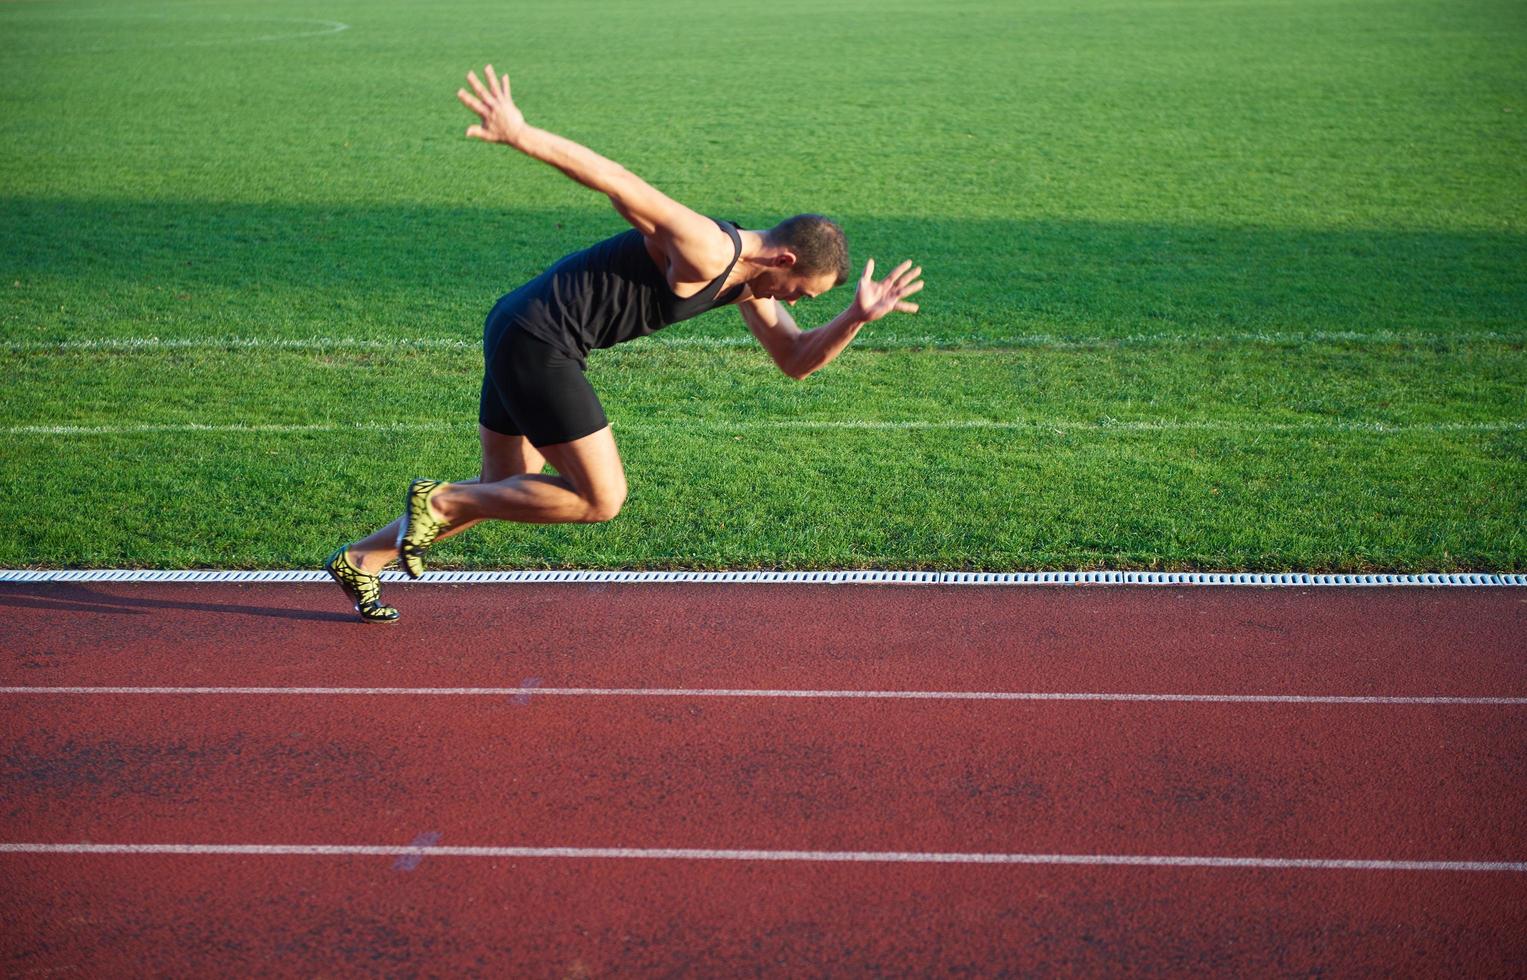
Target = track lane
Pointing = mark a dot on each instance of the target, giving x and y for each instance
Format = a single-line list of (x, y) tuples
[(184, 916), (1403, 782), (1372, 641)]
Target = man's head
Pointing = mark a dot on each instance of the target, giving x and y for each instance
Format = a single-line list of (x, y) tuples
[(806, 256)]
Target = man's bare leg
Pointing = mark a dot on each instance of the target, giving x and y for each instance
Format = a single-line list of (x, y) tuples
[(503, 457), (590, 485)]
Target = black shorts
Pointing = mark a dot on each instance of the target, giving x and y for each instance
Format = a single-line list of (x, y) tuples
[(532, 389)]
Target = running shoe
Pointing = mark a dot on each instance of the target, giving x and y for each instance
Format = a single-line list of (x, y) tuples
[(363, 588), (420, 527)]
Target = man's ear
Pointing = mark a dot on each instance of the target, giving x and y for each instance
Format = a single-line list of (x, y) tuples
[(785, 260)]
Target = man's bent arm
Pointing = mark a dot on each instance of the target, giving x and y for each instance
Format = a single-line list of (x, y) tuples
[(799, 353)]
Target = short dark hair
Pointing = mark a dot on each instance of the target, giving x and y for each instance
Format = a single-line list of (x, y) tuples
[(818, 243)]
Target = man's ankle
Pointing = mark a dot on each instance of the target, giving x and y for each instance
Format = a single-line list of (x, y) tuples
[(438, 506), (368, 562)]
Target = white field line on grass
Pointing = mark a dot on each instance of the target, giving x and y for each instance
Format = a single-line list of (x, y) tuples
[(885, 341), (1058, 426), (665, 692), (709, 854), (133, 43), (329, 27)]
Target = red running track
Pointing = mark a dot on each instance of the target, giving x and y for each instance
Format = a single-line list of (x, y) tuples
[(1390, 782)]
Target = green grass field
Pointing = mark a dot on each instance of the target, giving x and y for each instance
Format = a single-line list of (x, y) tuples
[(1220, 285)]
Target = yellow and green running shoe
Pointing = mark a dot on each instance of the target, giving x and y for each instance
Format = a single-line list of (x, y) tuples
[(363, 588), (420, 527)]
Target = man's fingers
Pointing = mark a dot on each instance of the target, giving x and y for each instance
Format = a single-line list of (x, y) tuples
[(910, 276), (472, 103), (896, 273), (507, 96), (906, 307), (479, 132), (914, 287), (477, 86), (493, 81)]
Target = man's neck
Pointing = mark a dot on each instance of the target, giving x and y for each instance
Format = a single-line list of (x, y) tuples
[(755, 255)]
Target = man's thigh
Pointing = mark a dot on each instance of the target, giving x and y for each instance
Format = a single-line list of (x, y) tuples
[(505, 456)]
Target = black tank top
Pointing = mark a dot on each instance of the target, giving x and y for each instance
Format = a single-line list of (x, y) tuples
[(606, 294)]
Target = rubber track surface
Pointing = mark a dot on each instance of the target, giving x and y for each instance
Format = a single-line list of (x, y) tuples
[(1366, 781)]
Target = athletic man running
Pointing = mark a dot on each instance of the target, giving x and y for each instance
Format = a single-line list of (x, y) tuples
[(537, 407)]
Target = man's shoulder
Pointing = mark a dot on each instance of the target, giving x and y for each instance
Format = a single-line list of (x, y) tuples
[(696, 260)]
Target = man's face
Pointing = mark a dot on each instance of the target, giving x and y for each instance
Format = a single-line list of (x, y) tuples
[(788, 286)]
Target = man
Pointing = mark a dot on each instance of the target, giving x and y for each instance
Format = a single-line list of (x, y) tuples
[(537, 407)]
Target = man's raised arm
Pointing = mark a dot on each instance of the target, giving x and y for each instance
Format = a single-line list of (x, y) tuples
[(691, 240)]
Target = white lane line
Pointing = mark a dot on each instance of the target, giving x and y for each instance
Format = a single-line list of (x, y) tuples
[(1057, 426), (707, 854), (675, 692), (887, 341)]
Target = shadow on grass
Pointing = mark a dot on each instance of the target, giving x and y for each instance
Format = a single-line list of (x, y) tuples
[(190, 266), (70, 597)]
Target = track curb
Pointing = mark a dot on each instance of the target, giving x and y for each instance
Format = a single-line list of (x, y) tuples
[(1257, 579)]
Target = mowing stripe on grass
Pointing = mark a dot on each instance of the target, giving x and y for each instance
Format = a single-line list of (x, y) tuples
[(710, 854), (857, 577), (1105, 425), (887, 341)]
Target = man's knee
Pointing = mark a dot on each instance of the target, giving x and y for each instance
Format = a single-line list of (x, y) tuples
[(605, 504)]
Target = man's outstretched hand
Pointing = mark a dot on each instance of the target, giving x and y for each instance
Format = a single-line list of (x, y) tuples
[(874, 300), (501, 120)]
